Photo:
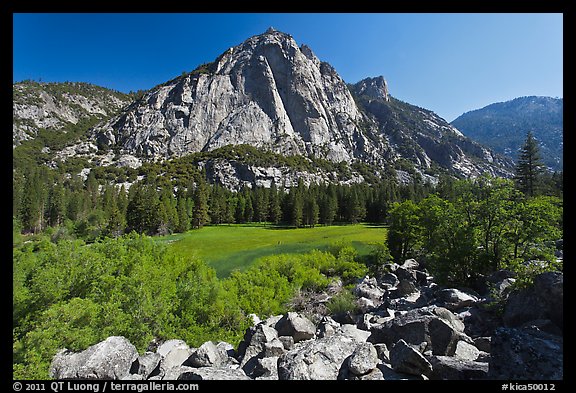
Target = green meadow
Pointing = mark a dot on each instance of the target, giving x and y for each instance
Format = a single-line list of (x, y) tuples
[(230, 247)]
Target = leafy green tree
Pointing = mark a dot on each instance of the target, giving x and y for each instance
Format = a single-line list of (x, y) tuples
[(404, 233), (532, 224)]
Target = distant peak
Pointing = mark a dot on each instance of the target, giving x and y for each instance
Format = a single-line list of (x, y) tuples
[(374, 88), (271, 30)]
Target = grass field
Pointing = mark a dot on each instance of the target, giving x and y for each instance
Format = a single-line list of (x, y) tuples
[(229, 247)]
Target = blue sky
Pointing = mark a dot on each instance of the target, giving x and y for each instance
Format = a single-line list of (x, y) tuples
[(449, 63)]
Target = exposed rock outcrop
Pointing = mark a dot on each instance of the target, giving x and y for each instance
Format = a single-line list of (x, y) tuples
[(270, 93), (54, 106)]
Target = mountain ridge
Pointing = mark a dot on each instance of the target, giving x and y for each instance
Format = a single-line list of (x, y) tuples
[(273, 94), (503, 126)]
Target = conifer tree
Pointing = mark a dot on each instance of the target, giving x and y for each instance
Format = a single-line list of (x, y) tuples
[(183, 218), (529, 166), (200, 214), (275, 213)]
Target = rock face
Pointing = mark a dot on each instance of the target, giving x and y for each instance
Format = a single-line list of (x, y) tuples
[(55, 106), (266, 92), (271, 93), (408, 337)]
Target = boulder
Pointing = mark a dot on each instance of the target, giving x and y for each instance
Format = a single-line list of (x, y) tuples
[(363, 360), (466, 351), (109, 359), (405, 358), (410, 264), (320, 359), (326, 327), (208, 355), (523, 306), (454, 299), (263, 342), (526, 354), (549, 287), (389, 280), (266, 368), (417, 326), (454, 368), (147, 365), (212, 373), (368, 288), (297, 326), (174, 354), (483, 343), (543, 300)]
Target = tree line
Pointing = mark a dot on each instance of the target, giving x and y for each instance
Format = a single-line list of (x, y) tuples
[(46, 200)]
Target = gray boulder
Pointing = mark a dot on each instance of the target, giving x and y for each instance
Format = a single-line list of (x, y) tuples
[(466, 351), (405, 358), (453, 368), (410, 264), (454, 299), (174, 353), (389, 280), (526, 354), (363, 360), (109, 359), (208, 355), (550, 289), (417, 326), (543, 300), (263, 341), (320, 359), (212, 373), (369, 288), (147, 365), (297, 326)]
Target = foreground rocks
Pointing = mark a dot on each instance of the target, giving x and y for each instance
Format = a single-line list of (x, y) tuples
[(408, 328)]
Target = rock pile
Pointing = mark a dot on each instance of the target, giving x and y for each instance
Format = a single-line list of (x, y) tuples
[(407, 328)]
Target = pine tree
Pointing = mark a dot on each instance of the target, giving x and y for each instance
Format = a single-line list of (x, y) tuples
[(183, 218), (275, 214), (296, 206), (200, 215), (529, 166), (33, 202), (56, 205), (142, 212), (240, 209), (311, 211)]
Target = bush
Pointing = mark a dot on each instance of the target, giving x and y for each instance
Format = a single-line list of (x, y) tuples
[(343, 302)]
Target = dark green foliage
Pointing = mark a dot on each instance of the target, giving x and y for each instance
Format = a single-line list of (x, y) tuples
[(529, 167), (485, 225), (403, 236)]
